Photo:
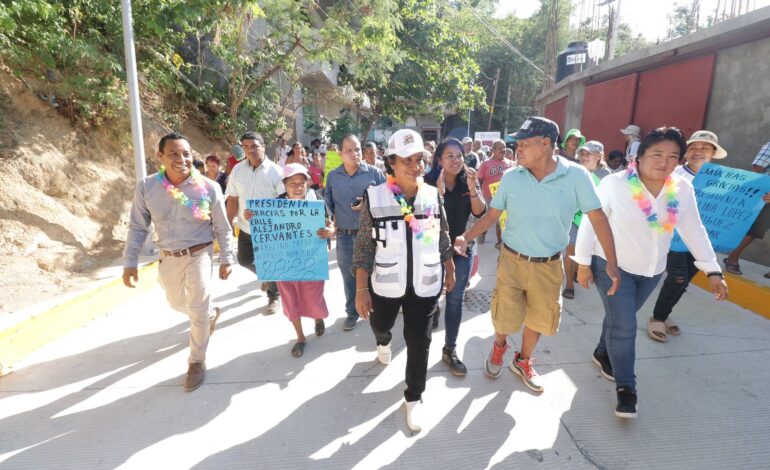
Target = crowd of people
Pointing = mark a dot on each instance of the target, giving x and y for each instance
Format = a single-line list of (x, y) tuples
[(406, 220)]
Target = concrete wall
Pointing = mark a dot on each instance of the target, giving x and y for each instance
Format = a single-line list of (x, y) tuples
[(739, 112)]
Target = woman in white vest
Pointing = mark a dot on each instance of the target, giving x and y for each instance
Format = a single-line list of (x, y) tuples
[(402, 259)]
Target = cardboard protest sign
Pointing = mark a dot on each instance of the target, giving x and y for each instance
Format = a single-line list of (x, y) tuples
[(283, 235), (729, 201), (493, 187), (333, 160)]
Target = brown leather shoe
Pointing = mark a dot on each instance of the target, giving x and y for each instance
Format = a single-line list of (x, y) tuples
[(213, 320), (195, 374)]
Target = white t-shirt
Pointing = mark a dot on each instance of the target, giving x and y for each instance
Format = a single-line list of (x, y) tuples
[(633, 148)]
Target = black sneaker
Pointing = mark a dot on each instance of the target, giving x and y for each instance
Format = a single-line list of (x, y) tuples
[(456, 366), (626, 403), (603, 361)]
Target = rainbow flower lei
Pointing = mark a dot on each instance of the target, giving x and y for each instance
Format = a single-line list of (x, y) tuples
[(672, 206), (426, 236), (202, 207)]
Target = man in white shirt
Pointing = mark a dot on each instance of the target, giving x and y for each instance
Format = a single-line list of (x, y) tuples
[(254, 178)]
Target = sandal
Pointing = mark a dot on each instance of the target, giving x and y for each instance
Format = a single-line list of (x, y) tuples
[(319, 327), (657, 330), (568, 293), (733, 268), (672, 328), (298, 349)]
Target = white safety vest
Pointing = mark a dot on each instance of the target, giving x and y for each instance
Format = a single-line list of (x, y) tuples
[(389, 232)]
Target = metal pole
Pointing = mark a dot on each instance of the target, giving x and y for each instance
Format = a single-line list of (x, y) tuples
[(494, 98), (133, 91), (614, 36), (135, 109)]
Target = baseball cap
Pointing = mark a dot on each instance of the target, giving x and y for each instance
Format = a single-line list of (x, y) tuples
[(536, 126), (405, 143), (467, 140), (295, 169), (632, 130), (237, 151), (710, 138), (593, 146)]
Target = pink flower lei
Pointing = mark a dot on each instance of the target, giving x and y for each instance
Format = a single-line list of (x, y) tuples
[(644, 204), (201, 208), (426, 236)]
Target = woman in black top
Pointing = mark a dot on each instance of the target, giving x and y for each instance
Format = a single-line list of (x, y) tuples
[(458, 185)]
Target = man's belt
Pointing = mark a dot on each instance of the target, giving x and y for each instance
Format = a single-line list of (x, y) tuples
[(532, 259), (186, 251), (348, 231)]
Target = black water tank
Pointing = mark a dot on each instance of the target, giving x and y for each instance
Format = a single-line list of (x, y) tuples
[(573, 59)]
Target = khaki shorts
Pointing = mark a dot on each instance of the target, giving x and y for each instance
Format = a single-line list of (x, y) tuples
[(527, 293)]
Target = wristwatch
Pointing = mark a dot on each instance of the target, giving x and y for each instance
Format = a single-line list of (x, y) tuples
[(715, 273)]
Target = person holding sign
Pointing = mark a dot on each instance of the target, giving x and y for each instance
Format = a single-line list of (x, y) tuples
[(256, 177), (530, 272), (644, 205), (702, 147), (188, 212), (303, 298), (402, 260), (345, 187), (459, 187)]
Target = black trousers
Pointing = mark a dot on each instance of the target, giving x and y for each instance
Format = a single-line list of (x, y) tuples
[(418, 327), (246, 259), (680, 269)]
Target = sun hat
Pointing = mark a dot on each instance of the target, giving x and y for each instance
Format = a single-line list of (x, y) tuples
[(710, 138), (632, 130), (573, 133)]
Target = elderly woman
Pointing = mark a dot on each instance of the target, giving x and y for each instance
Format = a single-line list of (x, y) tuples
[(644, 205), (402, 259)]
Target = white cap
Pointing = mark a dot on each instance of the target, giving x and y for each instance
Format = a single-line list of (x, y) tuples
[(632, 130), (295, 169), (405, 143), (467, 140)]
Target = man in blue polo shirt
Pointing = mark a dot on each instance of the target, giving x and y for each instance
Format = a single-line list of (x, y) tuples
[(345, 188), (541, 197)]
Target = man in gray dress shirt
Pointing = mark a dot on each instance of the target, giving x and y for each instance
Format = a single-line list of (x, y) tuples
[(188, 211)]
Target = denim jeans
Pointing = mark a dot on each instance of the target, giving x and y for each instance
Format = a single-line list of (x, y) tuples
[(246, 259), (345, 244), (618, 338), (454, 299), (680, 269)]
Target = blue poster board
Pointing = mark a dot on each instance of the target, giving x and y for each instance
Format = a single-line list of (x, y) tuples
[(283, 235), (729, 201)]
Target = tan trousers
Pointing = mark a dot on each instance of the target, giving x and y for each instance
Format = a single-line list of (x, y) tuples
[(187, 280)]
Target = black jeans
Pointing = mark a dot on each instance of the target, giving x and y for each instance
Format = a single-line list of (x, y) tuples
[(680, 269), (246, 259), (418, 326)]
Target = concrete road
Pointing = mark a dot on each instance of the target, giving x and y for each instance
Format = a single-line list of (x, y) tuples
[(109, 395)]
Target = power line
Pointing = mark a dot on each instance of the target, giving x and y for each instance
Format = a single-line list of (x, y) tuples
[(502, 39)]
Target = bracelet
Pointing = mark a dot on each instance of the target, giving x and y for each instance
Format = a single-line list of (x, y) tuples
[(715, 273), (363, 289)]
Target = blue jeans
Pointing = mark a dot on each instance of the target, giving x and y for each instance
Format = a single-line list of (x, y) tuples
[(618, 337), (345, 244), (454, 298)]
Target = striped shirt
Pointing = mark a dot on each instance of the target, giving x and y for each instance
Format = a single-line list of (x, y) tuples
[(247, 182), (175, 224), (763, 158)]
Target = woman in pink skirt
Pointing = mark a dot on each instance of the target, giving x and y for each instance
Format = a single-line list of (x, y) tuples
[(303, 298)]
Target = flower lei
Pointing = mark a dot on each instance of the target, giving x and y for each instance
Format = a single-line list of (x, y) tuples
[(672, 207), (425, 235), (202, 207)]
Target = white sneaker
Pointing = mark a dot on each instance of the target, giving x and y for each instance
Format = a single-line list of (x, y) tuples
[(413, 416), (383, 353)]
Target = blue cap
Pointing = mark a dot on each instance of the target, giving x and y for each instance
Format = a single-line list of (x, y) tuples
[(536, 126)]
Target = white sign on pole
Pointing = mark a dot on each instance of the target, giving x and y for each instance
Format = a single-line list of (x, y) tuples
[(487, 138)]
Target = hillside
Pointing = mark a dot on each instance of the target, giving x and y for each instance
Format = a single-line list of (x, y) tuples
[(65, 195)]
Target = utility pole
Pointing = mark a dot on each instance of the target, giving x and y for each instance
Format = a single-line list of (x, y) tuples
[(494, 97), (614, 35), (508, 100)]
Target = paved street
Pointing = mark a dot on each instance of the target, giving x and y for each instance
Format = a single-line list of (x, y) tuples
[(109, 395)]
